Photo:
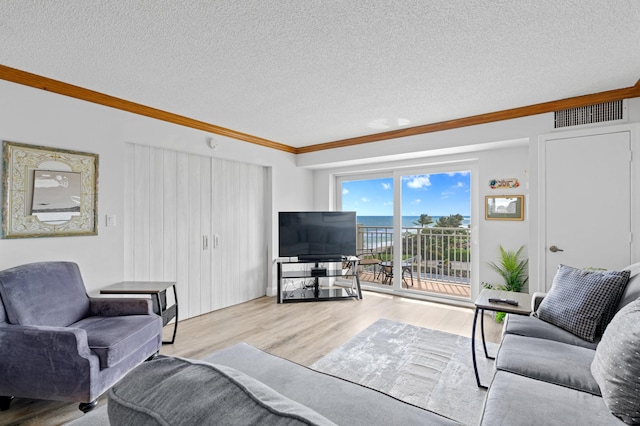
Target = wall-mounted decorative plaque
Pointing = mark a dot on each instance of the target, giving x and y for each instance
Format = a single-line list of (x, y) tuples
[(504, 183)]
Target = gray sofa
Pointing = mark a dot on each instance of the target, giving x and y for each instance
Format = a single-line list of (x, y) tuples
[(244, 385), (545, 375), (548, 375)]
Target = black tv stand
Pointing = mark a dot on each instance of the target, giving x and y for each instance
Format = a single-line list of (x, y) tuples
[(322, 259), (298, 281), (317, 271)]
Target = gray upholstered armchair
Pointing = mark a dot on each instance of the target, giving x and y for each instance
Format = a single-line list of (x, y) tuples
[(57, 343)]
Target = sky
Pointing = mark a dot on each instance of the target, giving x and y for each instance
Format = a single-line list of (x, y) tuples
[(438, 194)]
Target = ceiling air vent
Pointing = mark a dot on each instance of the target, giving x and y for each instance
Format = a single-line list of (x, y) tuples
[(591, 114)]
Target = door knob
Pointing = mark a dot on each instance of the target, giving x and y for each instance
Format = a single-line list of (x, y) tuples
[(554, 249)]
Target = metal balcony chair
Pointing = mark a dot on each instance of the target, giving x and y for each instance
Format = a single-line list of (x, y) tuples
[(369, 258), (387, 273)]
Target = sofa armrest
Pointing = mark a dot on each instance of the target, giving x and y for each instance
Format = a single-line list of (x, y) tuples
[(113, 307), (66, 340), (536, 299), (38, 361)]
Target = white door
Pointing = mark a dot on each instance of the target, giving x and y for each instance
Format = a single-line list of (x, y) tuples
[(198, 221), (587, 202), (239, 240)]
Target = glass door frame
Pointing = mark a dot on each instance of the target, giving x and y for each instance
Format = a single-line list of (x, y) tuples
[(423, 169), (383, 174)]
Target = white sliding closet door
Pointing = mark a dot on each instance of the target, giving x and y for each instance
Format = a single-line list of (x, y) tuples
[(198, 221), (239, 217)]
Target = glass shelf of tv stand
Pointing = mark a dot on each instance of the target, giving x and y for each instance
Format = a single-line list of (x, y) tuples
[(314, 286), (307, 274), (308, 294)]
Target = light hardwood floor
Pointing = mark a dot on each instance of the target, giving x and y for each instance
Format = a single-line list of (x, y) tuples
[(301, 332)]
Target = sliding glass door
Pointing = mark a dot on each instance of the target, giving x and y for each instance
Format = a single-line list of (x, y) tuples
[(414, 231), (371, 197), (435, 236)]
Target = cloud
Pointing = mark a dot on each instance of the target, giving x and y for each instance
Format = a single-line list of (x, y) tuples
[(459, 185), (417, 182), (386, 185), (462, 173), (416, 201), (345, 191), (364, 199)]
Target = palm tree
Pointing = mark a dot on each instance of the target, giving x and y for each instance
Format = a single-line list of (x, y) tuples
[(451, 221), (424, 220)]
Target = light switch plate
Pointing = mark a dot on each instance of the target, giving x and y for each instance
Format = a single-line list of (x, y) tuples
[(111, 220)]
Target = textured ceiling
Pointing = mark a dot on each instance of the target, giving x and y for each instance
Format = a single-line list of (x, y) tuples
[(303, 72)]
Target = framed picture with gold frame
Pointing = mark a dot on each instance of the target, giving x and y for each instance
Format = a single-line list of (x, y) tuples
[(48, 192), (504, 207)]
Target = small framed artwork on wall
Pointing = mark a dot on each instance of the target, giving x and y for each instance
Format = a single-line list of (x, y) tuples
[(504, 207)]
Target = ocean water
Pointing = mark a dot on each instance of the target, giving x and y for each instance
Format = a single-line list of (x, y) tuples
[(407, 221)]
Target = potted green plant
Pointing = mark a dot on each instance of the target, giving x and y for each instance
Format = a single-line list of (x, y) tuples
[(512, 266)]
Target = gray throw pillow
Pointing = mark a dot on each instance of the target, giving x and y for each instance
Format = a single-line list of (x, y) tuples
[(172, 391), (583, 301), (616, 365)]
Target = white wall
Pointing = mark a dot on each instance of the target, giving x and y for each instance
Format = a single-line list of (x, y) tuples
[(504, 163), (38, 117), (456, 141), (506, 149), (510, 162)]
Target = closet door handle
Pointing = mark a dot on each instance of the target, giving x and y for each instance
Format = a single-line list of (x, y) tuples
[(205, 242)]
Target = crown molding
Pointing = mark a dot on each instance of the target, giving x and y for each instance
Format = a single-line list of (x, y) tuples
[(507, 114), (44, 83), (50, 85)]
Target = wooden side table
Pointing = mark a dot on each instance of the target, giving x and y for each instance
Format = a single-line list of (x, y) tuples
[(482, 304), (158, 291)]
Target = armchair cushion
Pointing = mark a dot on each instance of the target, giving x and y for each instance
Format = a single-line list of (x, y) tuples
[(44, 293), (115, 338)]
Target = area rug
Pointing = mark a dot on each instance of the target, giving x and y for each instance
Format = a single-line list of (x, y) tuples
[(428, 368)]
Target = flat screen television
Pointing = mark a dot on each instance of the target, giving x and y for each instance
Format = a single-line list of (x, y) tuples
[(316, 235)]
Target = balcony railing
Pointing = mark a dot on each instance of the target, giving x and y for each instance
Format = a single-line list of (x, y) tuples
[(431, 255)]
